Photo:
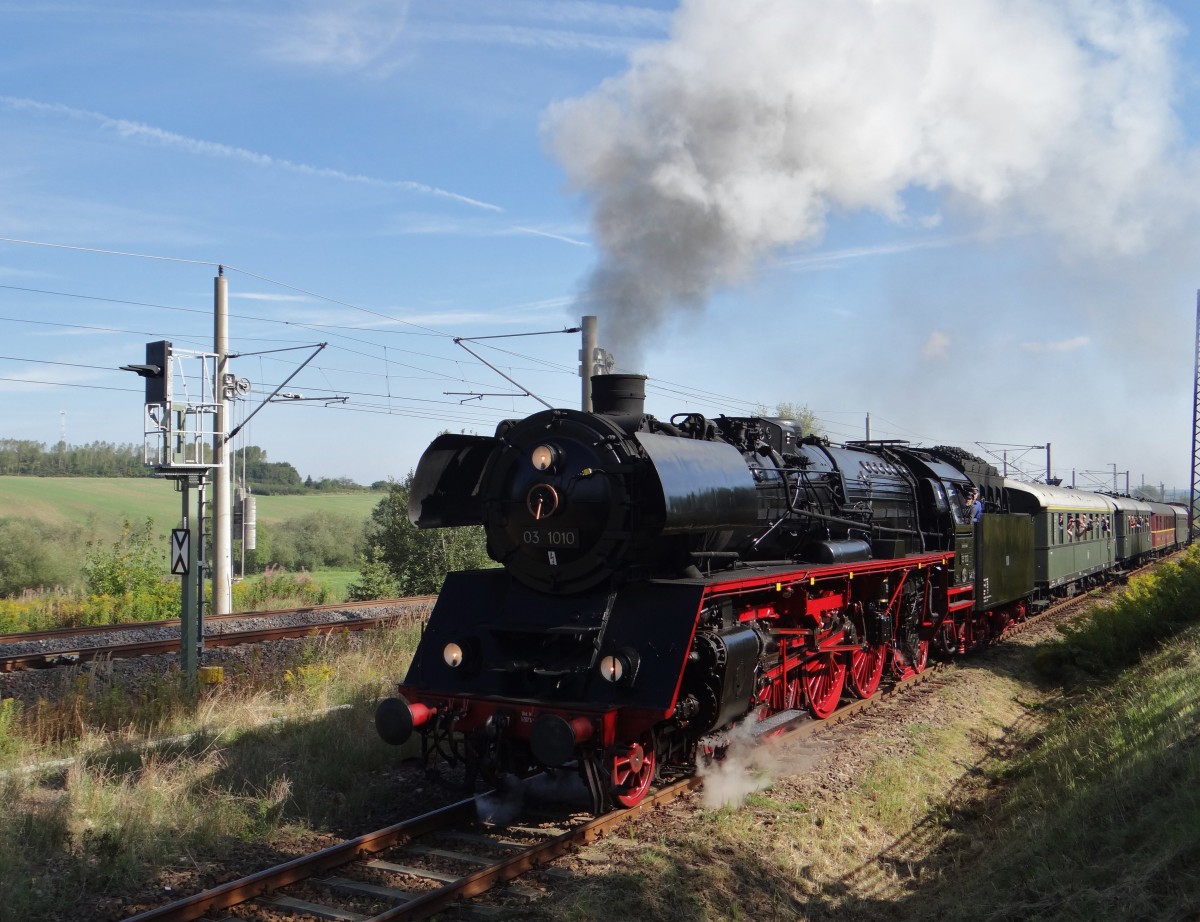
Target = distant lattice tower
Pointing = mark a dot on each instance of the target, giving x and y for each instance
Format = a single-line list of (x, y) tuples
[(1195, 429)]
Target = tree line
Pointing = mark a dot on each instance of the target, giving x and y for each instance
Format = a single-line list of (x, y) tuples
[(95, 459), (27, 458)]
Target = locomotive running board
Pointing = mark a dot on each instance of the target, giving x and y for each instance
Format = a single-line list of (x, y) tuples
[(757, 730), (775, 721)]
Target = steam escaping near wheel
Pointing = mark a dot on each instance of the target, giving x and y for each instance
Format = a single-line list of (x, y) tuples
[(745, 765)]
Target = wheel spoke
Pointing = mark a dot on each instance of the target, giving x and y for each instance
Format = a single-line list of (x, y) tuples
[(824, 677), (866, 669)]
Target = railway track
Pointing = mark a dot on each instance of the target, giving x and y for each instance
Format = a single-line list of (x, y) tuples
[(425, 864), (61, 647)]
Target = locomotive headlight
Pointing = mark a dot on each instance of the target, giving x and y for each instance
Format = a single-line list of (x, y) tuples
[(452, 653), (621, 666), (612, 668), (544, 458)]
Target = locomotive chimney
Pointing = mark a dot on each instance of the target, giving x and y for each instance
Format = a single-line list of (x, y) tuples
[(621, 398)]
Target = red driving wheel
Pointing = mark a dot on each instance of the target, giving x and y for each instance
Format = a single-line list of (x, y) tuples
[(633, 772), (824, 678), (866, 669)]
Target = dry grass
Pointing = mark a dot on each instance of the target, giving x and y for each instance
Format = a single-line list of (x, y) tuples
[(157, 780)]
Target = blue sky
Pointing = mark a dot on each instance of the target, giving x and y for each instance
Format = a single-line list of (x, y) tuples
[(976, 222)]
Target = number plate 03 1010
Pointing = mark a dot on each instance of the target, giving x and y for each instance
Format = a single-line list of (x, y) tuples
[(551, 537)]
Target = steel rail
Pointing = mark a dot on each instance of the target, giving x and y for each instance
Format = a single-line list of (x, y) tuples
[(422, 907), (15, 662), (25, 636), (304, 867)]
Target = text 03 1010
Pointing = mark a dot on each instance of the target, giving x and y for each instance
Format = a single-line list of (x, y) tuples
[(551, 537)]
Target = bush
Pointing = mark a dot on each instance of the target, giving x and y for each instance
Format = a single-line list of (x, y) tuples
[(312, 542), (419, 559), (278, 588), (376, 579), (129, 581), (33, 556), (1155, 607)]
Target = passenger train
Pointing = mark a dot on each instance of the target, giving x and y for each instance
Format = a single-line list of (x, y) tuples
[(662, 581)]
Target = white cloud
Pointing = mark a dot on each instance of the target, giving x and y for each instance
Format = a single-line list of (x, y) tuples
[(259, 296), (620, 16), (937, 346), (833, 259), (604, 28), (551, 235), (8, 272), (524, 37), (137, 130), (438, 225), (348, 35)]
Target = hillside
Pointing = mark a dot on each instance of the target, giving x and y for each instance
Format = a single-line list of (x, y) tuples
[(103, 502)]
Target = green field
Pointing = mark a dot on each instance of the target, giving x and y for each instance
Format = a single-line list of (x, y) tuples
[(102, 503), (336, 581)]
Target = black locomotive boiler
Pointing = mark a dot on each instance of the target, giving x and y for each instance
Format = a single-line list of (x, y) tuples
[(661, 581)]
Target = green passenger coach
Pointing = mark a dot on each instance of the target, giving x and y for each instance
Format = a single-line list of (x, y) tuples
[(1073, 533)]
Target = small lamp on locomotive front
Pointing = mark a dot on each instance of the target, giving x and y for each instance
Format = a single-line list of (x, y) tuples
[(620, 666), (545, 458)]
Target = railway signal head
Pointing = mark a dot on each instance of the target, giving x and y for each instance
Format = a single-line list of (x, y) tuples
[(156, 371)]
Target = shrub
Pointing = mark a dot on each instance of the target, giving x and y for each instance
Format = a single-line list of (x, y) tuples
[(375, 579), (419, 559), (313, 541), (33, 556), (278, 588), (1155, 607)]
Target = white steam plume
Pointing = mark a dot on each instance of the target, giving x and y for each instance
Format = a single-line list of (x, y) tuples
[(756, 120)]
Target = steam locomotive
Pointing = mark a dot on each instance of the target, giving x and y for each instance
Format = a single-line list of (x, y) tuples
[(662, 581)]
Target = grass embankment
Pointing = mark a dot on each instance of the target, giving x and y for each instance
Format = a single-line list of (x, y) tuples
[(260, 759), (54, 533), (336, 583), (1013, 796)]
